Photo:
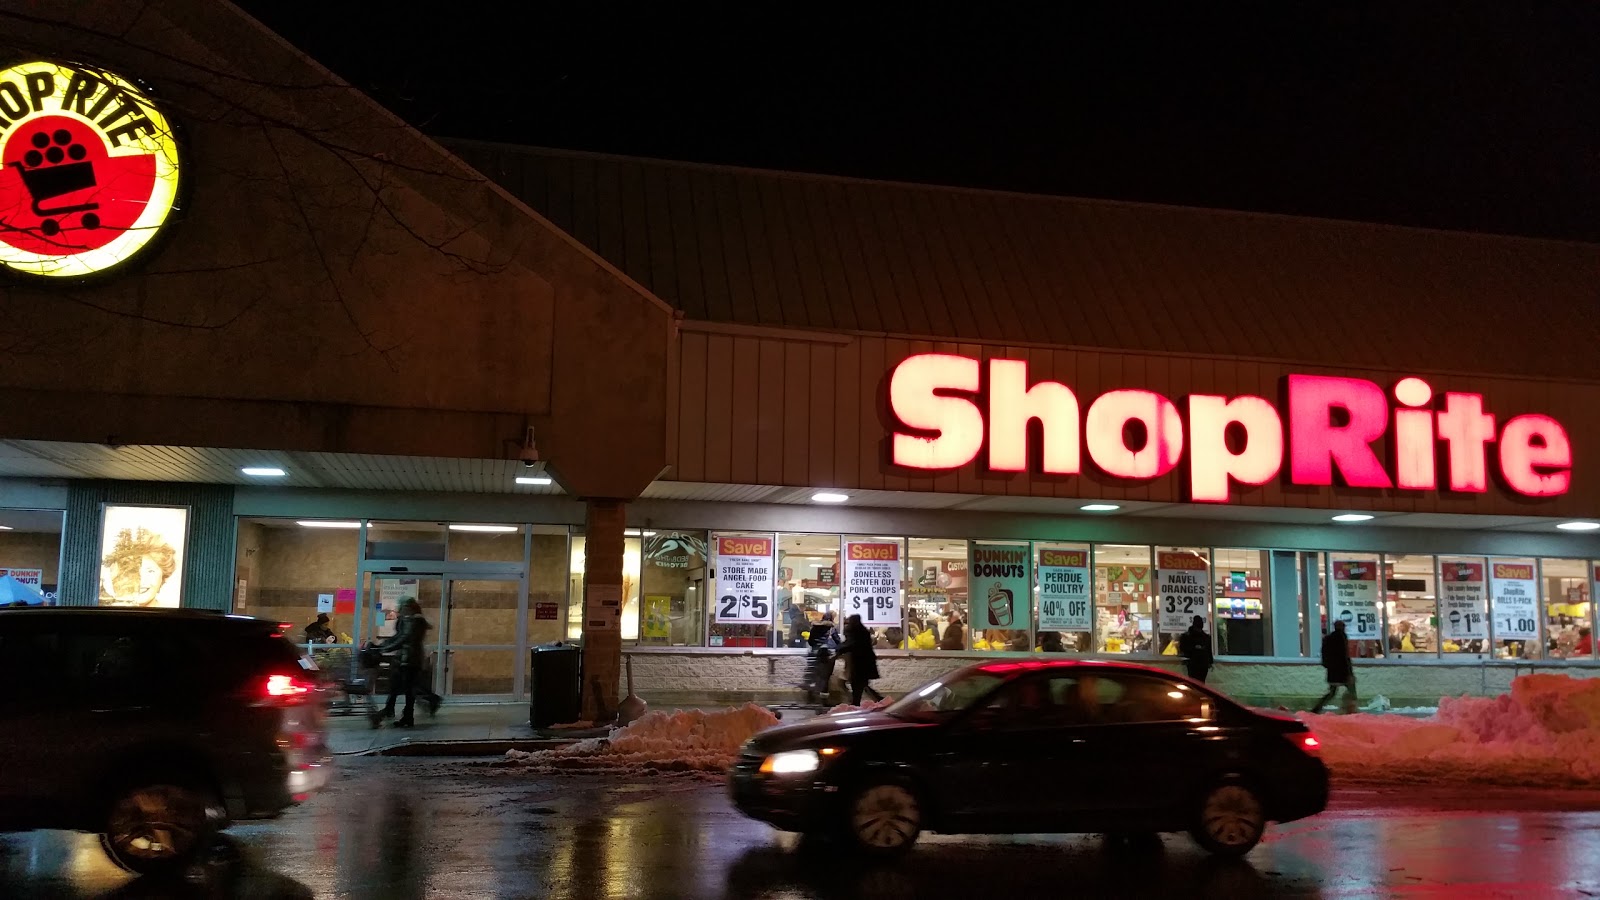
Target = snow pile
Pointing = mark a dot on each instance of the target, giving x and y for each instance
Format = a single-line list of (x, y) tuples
[(868, 707), (679, 741), (1546, 732)]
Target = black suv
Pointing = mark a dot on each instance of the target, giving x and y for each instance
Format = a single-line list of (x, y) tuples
[(153, 728), (1036, 747)]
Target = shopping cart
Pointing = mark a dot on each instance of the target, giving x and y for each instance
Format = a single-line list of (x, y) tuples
[(45, 183)]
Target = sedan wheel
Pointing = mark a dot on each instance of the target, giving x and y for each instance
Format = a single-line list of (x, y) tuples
[(157, 828), (1232, 820), (885, 818)]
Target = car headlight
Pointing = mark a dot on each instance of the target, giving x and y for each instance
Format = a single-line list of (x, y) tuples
[(791, 762)]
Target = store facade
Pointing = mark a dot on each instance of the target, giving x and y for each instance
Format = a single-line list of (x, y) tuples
[(681, 412)]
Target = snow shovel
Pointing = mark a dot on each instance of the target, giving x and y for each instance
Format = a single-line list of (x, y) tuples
[(631, 707)]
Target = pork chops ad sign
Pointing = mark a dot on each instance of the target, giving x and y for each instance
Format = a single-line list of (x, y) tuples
[(89, 170)]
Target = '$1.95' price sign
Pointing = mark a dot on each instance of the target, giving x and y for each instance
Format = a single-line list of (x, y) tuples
[(872, 581)]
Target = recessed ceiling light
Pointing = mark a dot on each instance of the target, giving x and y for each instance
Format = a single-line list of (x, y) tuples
[(493, 529), (1352, 517), (829, 497), (1578, 526), (634, 532), (263, 471), (533, 479), (326, 523), (1099, 507)]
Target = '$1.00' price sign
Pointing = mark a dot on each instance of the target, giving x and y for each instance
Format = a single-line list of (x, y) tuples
[(872, 581)]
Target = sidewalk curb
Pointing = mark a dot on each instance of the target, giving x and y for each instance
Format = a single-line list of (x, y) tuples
[(487, 747)]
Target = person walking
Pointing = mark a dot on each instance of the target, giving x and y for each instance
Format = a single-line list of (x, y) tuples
[(863, 660), (405, 669), (819, 662), (1195, 647), (1336, 660)]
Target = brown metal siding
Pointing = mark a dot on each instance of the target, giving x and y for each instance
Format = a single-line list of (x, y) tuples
[(811, 415)]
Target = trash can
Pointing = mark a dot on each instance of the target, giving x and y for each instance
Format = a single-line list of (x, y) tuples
[(555, 683)]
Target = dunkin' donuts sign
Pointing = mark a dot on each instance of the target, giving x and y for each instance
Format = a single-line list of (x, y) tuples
[(90, 170), (950, 409)]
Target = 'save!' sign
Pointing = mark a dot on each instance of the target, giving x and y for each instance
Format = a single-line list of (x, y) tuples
[(1136, 434)]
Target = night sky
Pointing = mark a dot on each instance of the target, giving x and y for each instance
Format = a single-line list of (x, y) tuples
[(1472, 116)]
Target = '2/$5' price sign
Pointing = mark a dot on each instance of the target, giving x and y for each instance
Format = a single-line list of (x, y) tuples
[(744, 580)]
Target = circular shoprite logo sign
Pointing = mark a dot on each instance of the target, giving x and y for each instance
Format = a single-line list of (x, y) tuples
[(90, 170)]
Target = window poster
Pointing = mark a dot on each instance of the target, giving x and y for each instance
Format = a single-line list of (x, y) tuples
[(1183, 590), (872, 582), (1462, 616), (391, 593), (1355, 598), (1063, 590), (141, 555), (744, 571), (999, 584), (1516, 605)]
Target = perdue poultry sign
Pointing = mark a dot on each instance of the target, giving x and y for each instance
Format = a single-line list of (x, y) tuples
[(948, 413), (90, 170)]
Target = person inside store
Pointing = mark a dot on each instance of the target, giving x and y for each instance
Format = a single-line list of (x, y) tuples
[(1402, 640), (794, 620), (1050, 642), (918, 637), (320, 631), (1195, 647), (1585, 644), (954, 637), (861, 661), (892, 637)]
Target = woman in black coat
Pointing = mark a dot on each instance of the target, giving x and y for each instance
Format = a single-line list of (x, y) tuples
[(863, 659)]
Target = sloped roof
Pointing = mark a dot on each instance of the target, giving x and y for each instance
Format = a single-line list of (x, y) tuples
[(815, 252)]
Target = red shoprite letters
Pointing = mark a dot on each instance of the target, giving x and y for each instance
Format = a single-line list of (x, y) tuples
[(1332, 426)]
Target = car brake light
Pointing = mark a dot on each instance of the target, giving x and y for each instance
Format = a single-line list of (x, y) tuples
[(1309, 743), (284, 628)]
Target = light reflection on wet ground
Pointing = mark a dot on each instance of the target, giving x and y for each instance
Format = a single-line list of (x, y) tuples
[(395, 828)]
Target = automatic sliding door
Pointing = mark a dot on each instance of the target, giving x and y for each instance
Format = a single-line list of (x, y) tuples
[(480, 626)]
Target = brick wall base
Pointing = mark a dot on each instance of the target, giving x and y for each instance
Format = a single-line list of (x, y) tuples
[(664, 678)]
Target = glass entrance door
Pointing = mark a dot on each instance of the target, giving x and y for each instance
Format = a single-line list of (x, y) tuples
[(480, 620)]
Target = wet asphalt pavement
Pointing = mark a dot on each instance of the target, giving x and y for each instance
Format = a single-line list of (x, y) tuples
[(442, 828)]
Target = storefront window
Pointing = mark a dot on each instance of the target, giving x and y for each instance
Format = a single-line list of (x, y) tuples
[(808, 584), (631, 545), (1463, 604), (1000, 596), (1124, 608), (744, 591), (1514, 607), (1064, 586), (296, 571), (1353, 585), (1567, 608), (547, 583), (484, 542), (1183, 591), (1243, 602), (30, 556), (936, 595), (672, 579), (1410, 605)]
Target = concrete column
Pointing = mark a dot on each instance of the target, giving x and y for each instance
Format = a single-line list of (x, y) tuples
[(602, 607)]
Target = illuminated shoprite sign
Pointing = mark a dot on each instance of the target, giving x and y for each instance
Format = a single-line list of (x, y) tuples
[(90, 170), (949, 413)]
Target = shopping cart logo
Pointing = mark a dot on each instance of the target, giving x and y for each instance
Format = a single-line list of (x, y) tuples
[(89, 170)]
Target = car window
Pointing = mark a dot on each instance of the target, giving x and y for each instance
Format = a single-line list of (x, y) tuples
[(1141, 698), (31, 656), (943, 696), (112, 664)]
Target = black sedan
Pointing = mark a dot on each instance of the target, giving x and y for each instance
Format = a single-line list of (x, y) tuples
[(1037, 746)]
